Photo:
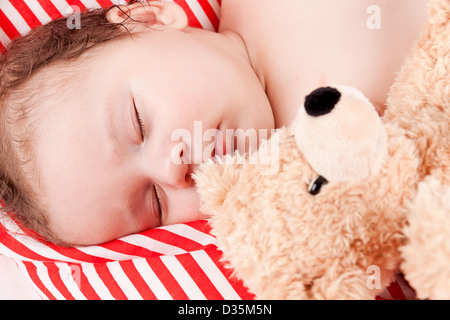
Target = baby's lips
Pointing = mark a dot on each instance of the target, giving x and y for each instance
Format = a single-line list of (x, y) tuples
[(224, 144), (220, 147)]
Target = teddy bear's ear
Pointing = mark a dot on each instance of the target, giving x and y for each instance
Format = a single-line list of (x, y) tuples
[(214, 181), (340, 134)]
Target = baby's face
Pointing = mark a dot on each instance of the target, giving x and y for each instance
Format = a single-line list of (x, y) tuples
[(101, 173)]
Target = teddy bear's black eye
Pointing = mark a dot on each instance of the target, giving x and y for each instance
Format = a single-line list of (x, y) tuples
[(316, 186)]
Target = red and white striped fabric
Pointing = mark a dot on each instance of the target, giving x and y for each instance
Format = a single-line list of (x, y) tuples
[(17, 17), (175, 262), (179, 261)]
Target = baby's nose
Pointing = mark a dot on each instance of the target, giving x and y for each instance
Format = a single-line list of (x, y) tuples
[(321, 101), (179, 169)]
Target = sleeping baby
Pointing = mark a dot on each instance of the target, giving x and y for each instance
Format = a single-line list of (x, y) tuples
[(90, 116)]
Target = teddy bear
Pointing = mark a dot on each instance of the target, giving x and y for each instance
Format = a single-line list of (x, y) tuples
[(337, 203)]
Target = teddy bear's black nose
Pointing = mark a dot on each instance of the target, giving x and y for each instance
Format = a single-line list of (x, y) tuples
[(321, 101)]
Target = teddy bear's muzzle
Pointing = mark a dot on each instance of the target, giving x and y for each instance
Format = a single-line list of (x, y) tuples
[(340, 134)]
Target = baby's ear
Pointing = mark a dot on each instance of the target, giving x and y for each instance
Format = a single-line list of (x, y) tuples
[(154, 13), (214, 181)]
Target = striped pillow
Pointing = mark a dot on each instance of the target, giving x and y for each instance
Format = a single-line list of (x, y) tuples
[(179, 261), (174, 262)]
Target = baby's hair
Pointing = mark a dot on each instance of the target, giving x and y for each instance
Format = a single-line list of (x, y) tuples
[(23, 58)]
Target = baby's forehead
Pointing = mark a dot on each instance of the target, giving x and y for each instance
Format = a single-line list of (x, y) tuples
[(43, 96), (85, 75)]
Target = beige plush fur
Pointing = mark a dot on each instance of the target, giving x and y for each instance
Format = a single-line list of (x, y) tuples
[(349, 240)]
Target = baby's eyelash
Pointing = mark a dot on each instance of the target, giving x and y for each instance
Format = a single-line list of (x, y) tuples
[(142, 127), (161, 209)]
